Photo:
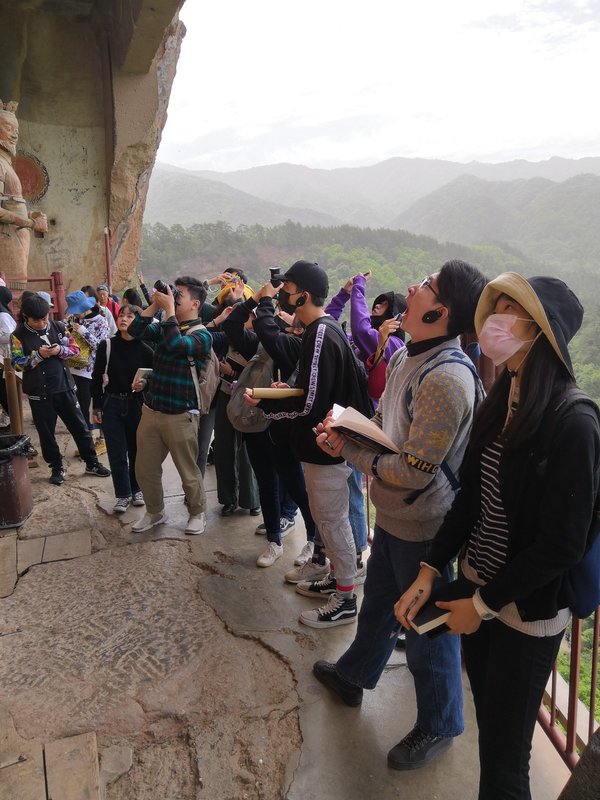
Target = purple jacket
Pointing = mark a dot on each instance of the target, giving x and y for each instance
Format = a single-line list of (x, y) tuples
[(364, 337)]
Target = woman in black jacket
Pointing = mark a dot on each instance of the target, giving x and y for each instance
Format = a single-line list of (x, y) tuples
[(520, 521)]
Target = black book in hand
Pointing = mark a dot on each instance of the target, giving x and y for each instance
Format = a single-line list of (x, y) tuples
[(430, 619)]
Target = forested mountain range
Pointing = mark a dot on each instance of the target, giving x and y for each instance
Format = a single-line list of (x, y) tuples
[(534, 218), (177, 196), (372, 196)]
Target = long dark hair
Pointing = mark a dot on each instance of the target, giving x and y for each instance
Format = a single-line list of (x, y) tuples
[(544, 378)]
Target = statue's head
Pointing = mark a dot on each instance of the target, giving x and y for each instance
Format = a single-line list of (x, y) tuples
[(9, 127)]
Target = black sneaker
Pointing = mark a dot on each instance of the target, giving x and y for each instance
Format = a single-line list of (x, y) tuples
[(337, 610), (58, 476), (327, 674), (317, 588), (97, 469), (417, 749)]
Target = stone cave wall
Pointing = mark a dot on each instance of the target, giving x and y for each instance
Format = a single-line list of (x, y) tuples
[(90, 131)]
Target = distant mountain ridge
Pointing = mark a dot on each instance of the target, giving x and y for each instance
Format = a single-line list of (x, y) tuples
[(553, 223), (180, 197), (373, 196)]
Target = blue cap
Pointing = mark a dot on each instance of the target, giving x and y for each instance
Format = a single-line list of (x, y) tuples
[(79, 303)]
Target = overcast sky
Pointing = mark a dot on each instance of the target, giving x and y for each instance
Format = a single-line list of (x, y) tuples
[(330, 83)]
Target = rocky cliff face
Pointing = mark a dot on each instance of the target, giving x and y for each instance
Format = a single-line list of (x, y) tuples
[(137, 140)]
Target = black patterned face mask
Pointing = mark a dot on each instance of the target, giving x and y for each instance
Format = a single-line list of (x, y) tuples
[(283, 298)]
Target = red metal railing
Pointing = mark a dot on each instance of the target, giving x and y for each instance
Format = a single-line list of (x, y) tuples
[(569, 723)]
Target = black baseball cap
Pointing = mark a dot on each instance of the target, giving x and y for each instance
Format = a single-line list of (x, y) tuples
[(308, 276)]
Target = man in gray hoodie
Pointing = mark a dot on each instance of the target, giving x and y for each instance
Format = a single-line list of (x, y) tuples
[(427, 410)]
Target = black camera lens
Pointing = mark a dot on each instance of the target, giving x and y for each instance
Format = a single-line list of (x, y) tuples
[(161, 286), (276, 276)]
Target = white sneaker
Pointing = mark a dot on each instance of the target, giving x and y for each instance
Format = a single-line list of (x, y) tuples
[(149, 521), (122, 504), (138, 499), (361, 575), (270, 556), (196, 524), (305, 554), (308, 572)]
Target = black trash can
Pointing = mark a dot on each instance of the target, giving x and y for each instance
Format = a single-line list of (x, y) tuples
[(16, 503)]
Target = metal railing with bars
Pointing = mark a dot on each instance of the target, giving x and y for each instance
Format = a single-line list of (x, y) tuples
[(567, 721)]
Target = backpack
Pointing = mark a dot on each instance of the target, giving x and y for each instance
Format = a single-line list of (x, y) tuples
[(257, 372), (433, 362), (206, 375), (584, 577), (359, 397)]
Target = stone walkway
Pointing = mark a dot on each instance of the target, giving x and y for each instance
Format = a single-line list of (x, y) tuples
[(190, 666)]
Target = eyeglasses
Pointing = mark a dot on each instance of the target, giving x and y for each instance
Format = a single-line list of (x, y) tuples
[(427, 282)]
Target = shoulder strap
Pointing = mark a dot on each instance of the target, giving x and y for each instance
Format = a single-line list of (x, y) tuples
[(433, 362)]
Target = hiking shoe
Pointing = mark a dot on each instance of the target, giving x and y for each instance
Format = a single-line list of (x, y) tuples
[(327, 674), (337, 610), (196, 524), (318, 588), (305, 554), (100, 446), (361, 574), (122, 504), (138, 499), (58, 476), (417, 749), (97, 469), (309, 572), (284, 527), (270, 556), (149, 521)]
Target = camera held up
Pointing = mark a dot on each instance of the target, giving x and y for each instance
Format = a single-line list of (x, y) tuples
[(161, 286), (276, 276)]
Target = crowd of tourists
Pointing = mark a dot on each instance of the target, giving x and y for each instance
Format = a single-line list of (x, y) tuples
[(483, 491)]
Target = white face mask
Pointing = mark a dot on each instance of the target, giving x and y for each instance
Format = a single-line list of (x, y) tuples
[(497, 340)]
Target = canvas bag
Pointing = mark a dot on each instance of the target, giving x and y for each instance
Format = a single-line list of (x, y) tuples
[(206, 376), (257, 372), (585, 576), (81, 360)]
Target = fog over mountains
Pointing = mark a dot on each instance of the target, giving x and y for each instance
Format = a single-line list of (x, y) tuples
[(374, 196), (549, 210)]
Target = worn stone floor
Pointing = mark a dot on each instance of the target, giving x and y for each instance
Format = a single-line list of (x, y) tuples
[(189, 661)]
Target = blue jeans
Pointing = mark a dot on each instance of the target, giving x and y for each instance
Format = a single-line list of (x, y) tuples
[(356, 512), (120, 420), (433, 663)]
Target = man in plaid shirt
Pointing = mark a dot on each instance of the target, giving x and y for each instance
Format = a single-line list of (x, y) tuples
[(170, 415)]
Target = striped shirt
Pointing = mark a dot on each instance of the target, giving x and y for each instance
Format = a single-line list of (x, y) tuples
[(171, 388), (488, 542)]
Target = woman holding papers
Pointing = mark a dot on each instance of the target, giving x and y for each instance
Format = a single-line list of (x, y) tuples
[(520, 520)]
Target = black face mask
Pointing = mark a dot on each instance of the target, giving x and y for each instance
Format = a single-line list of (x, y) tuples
[(284, 302), (377, 322)]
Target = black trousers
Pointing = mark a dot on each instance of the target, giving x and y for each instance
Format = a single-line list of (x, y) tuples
[(508, 672), (65, 406), (3, 395), (120, 419)]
